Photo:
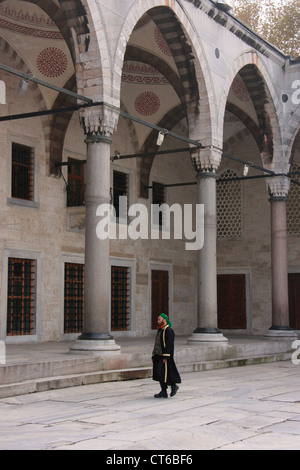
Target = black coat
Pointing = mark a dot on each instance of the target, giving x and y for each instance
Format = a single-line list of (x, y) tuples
[(166, 373)]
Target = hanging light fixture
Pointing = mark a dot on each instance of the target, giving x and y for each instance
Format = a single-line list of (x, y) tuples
[(246, 169), (160, 138), (22, 87)]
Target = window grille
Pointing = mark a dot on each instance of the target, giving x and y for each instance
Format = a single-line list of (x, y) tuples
[(21, 297), (76, 186), (158, 193), (22, 172), (158, 197), (229, 207), (293, 205), (74, 298), (120, 188), (159, 295), (120, 298)]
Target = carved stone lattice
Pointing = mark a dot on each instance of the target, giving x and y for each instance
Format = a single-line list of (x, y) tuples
[(229, 208), (293, 205)]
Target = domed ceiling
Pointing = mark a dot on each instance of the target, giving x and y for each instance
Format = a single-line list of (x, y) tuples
[(38, 42), (151, 84)]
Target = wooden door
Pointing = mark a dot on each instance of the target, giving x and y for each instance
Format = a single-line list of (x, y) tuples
[(232, 301), (294, 300), (159, 295), (76, 186)]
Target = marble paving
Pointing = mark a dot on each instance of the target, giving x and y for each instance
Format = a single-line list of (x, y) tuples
[(248, 408)]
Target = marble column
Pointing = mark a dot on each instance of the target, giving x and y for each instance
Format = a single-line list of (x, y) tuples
[(207, 308), (96, 337), (279, 259)]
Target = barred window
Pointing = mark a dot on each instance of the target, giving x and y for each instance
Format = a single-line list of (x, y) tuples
[(76, 185), (229, 207), (22, 184), (120, 188), (21, 297), (159, 295), (158, 197), (293, 205), (158, 193), (120, 298), (74, 298)]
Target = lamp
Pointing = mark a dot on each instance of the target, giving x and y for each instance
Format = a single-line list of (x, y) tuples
[(246, 169), (160, 138), (22, 87)]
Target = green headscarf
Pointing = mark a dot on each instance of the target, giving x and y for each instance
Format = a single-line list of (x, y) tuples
[(163, 315)]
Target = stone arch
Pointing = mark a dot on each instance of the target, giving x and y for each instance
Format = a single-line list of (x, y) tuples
[(79, 24), (79, 28), (69, 14), (292, 134), (295, 144), (175, 36), (20, 65), (251, 126), (162, 67), (236, 139), (59, 124), (193, 86), (57, 16), (131, 130), (293, 207), (169, 121), (257, 80), (197, 90)]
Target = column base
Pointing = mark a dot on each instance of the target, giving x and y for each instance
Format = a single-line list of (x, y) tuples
[(95, 345), (278, 332), (208, 335)]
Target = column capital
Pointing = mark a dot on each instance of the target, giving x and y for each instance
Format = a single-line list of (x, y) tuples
[(207, 159), (278, 187), (99, 120)]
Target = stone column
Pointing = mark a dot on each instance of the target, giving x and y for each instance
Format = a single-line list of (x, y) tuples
[(2, 352), (207, 309), (278, 189), (95, 338)]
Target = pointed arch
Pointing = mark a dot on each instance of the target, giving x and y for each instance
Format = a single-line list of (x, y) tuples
[(57, 15), (292, 133), (295, 145), (19, 64), (59, 124), (267, 106), (190, 57), (192, 84), (79, 25)]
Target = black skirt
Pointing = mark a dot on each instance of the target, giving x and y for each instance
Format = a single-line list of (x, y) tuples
[(165, 373)]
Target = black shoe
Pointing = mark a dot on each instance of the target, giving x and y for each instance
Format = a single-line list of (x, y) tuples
[(175, 388), (162, 394)]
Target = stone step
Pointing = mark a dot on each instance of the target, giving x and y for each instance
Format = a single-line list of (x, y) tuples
[(85, 378)]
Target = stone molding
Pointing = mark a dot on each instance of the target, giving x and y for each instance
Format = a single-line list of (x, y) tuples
[(206, 159), (278, 187), (100, 120)]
